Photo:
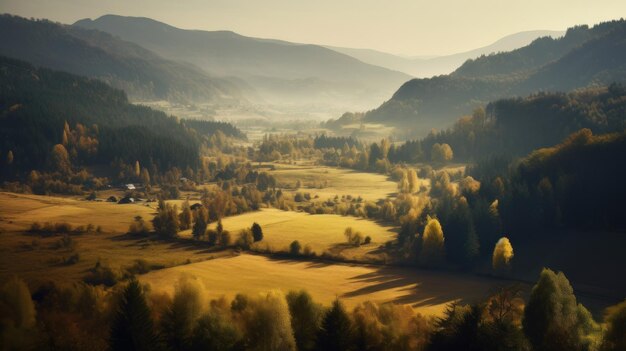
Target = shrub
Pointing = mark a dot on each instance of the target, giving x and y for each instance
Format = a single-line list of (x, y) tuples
[(308, 251), (367, 240), (73, 259), (212, 237), (102, 274), (295, 247), (245, 239), (66, 242), (225, 238), (353, 238), (141, 266), (139, 227)]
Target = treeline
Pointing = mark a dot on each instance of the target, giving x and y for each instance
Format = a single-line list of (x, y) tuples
[(577, 184), (515, 127), (209, 128), (133, 317), (54, 121)]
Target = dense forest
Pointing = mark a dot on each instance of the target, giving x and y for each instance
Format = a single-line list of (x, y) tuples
[(514, 127), (92, 122), (577, 184)]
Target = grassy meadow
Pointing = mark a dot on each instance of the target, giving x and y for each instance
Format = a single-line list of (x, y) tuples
[(328, 182), (38, 258), (320, 232), (427, 292)]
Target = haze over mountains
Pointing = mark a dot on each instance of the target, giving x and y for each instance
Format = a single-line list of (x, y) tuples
[(584, 57), (281, 72), (141, 73), (423, 67)]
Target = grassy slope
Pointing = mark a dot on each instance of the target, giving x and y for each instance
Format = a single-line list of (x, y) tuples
[(42, 262), (321, 232), (370, 186), (426, 291)]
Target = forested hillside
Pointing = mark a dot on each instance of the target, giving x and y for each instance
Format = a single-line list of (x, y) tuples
[(577, 184), (141, 73), (281, 72), (584, 57), (515, 127), (94, 123)]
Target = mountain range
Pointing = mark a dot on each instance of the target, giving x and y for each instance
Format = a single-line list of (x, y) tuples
[(584, 57), (423, 67), (143, 74), (281, 72)]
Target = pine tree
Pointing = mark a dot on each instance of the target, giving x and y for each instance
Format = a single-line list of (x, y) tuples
[(132, 327), (336, 333)]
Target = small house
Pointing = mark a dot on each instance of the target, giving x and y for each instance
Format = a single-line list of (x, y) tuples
[(126, 200)]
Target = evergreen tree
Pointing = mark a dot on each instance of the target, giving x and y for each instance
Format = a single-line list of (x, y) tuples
[(336, 332), (257, 232), (132, 327)]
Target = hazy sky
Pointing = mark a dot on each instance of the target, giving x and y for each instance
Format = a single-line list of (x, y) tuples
[(397, 26)]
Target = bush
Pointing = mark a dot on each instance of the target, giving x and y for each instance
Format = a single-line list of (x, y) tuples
[(367, 240), (66, 242), (73, 259), (308, 251), (245, 239), (212, 237), (102, 274), (225, 238), (295, 247), (139, 227), (353, 237)]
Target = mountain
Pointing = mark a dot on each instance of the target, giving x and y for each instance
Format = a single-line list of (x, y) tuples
[(582, 58), (141, 73), (432, 66), (280, 71)]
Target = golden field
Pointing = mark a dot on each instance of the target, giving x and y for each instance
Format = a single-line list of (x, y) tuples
[(427, 292), (320, 232), (326, 182)]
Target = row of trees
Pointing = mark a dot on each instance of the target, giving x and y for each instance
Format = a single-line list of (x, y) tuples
[(136, 318)]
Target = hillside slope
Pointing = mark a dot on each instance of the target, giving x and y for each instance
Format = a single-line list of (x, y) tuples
[(423, 67), (35, 104), (280, 71), (141, 73), (583, 57)]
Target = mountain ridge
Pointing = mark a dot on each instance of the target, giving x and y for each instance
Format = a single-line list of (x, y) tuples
[(278, 70), (124, 65)]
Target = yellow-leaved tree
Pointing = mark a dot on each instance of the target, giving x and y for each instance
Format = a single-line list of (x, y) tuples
[(502, 256)]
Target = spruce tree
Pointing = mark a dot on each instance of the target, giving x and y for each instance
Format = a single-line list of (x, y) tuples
[(336, 333), (132, 327)]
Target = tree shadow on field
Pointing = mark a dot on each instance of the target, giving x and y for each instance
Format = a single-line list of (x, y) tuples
[(421, 288), (173, 244)]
